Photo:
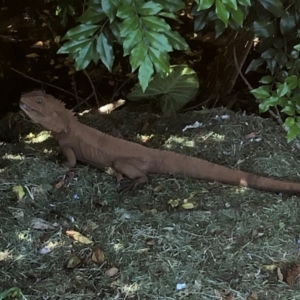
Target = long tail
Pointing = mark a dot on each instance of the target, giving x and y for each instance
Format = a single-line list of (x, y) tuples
[(173, 163)]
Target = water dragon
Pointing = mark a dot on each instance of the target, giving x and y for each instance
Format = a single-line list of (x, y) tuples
[(79, 142)]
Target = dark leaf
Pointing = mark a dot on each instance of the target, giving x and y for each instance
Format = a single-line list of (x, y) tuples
[(270, 53), (255, 63), (271, 63), (287, 24), (171, 5), (200, 20), (273, 6), (91, 16), (263, 29)]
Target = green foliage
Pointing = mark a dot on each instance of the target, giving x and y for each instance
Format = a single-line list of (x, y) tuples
[(179, 87), (283, 93), (221, 13), (139, 26), (11, 293)]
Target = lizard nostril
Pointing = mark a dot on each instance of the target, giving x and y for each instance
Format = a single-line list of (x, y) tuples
[(39, 101)]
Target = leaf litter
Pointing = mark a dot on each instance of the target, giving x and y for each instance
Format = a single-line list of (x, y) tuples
[(212, 240)]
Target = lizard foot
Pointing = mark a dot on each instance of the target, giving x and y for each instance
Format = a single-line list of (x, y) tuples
[(126, 187)]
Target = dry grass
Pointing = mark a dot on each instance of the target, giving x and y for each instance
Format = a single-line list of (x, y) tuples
[(223, 243)]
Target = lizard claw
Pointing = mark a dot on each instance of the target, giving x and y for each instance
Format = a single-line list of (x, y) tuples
[(129, 186)]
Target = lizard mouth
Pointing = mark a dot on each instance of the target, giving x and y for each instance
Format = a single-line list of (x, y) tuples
[(27, 108)]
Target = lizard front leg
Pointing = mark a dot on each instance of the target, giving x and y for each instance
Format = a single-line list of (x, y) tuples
[(70, 156), (131, 168)]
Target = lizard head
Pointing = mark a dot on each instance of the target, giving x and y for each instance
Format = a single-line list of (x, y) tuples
[(47, 111)]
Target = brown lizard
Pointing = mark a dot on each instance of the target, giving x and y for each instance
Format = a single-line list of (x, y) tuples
[(88, 145)]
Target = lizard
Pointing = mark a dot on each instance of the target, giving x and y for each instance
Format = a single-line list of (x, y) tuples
[(79, 142)]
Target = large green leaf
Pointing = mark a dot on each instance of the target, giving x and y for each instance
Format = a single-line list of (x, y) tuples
[(84, 56), (222, 12), (125, 11), (171, 5), (155, 23), (176, 40), (204, 4), (237, 16), (81, 32), (105, 50), (150, 8), (138, 55), (110, 9), (230, 4), (145, 73), (73, 46), (131, 40), (128, 26), (159, 59), (158, 41), (173, 91), (92, 16)]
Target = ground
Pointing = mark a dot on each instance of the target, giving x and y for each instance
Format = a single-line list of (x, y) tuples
[(223, 242)]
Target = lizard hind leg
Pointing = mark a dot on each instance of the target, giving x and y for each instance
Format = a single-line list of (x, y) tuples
[(127, 167)]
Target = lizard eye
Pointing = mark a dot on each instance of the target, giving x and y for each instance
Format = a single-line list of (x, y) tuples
[(39, 101)]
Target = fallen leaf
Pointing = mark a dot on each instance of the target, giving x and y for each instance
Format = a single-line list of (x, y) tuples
[(59, 184), (188, 205), (250, 135), (290, 273), (32, 55), (74, 261), (78, 237), (158, 188), (38, 223), (173, 202), (150, 242), (18, 191), (252, 296), (98, 256), (226, 295), (111, 272)]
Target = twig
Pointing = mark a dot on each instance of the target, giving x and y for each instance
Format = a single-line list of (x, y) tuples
[(272, 113), (238, 67), (93, 87), (49, 84)]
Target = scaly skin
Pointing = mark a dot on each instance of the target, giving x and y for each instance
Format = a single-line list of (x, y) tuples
[(88, 145)]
